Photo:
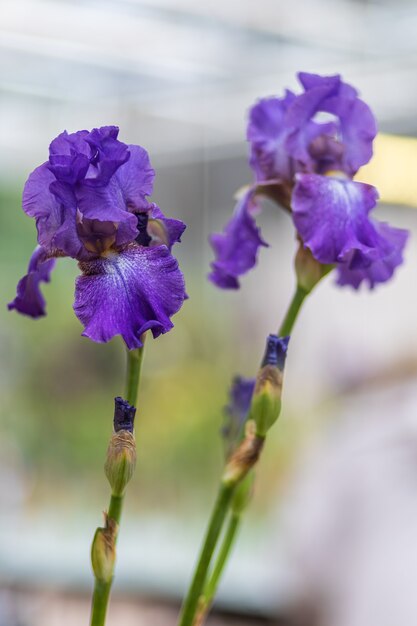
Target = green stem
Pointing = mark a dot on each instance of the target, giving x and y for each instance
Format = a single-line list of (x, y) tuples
[(100, 602), (115, 508), (224, 552), (241, 499), (102, 588), (195, 600), (292, 312), (134, 367), (212, 535)]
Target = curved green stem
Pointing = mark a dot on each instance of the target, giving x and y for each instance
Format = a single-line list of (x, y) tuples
[(102, 588), (214, 528), (292, 313), (224, 552)]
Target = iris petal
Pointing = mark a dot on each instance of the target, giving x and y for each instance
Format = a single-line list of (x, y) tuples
[(236, 412), (287, 135), (40, 203), (357, 127), (236, 248), (135, 179), (267, 133), (331, 216), (108, 154), (381, 267), (128, 293), (29, 299), (354, 126), (106, 204)]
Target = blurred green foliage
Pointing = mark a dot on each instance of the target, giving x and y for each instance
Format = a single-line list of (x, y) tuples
[(58, 390)]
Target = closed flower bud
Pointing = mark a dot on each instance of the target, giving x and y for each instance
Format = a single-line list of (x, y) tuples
[(266, 401), (266, 404), (103, 552), (121, 453), (121, 461), (308, 270)]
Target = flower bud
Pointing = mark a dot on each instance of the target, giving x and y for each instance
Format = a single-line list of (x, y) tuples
[(121, 461), (308, 270), (266, 400), (103, 552), (121, 453)]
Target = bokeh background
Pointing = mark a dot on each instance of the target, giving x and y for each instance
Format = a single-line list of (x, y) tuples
[(331, 530)]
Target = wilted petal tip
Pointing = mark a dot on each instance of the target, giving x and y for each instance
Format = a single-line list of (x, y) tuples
[(124, 415)]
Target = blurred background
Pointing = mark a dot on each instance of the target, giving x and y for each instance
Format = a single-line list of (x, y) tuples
[(331, 535)]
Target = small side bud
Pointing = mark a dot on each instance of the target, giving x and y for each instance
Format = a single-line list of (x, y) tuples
[(266, 401), (308, 270), (103, 552), (121, 453)]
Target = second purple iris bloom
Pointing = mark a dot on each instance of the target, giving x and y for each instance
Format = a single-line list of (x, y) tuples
[(308, 163)]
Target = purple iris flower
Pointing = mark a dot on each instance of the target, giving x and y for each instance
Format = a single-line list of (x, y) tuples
[(90, 202), (304, 151)]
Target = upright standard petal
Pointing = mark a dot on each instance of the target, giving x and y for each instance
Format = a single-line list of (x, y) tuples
[(68, 144), (300, 119), (108, 155), (95, 176), (92, 157), (344, 143), (128, 293), (331, 216), (357, 127), (267, 133), (135, 179), (40, 203), (70, 156), (387, 256), (29, 299), (54, 206), (125, 194), (236, 248), (126, 191)]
